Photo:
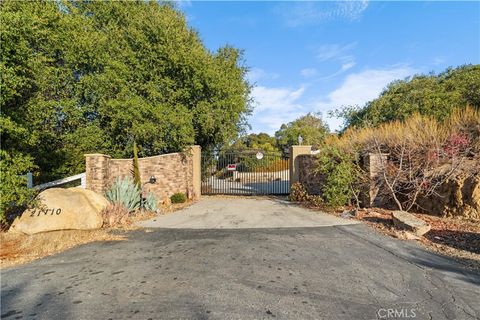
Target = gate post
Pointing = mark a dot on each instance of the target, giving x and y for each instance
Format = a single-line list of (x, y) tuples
[(196, 170), (295, 151)]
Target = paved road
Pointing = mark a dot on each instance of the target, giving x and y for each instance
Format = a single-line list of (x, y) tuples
[(330, 272)]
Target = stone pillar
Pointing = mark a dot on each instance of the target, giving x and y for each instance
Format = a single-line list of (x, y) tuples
[(295, 151), (196, 170), (373, 165), (96, 172)]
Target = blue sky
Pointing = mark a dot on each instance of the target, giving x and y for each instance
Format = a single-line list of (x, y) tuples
[(317, 56)]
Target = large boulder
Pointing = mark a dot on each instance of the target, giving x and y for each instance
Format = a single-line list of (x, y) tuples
[(95, 199), (459, 195), (62, 209), (407, 221)]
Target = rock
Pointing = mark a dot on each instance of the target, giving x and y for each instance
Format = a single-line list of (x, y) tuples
[(62, 209), (348, 214), (459, 195), (96, 200), (407, 221)]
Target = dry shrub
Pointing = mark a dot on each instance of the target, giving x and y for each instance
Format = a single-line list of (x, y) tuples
[(115, 215), (417, 132), (415, 148), (298, 193), (466, 122)]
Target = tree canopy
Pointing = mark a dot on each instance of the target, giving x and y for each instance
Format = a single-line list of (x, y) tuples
[(432, 95), (310, 126), (92, 76)]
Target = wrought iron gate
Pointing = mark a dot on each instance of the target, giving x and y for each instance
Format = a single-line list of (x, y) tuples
[(245, 173)]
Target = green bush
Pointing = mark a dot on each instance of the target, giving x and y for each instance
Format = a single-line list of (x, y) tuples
[(14, 193), (178, 197), (342, 176)]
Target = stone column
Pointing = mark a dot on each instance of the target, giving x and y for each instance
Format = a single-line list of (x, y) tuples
[(96, 172), (196, 170), (373, 165), (295, 151)]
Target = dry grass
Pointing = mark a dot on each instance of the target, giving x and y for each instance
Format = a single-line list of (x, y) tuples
[(417, 131), (19, 248)]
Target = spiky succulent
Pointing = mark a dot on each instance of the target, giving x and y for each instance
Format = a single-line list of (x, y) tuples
[(150, 202), (125, 192)]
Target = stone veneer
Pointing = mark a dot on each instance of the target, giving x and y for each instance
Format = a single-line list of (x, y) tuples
[(308, 176), (175, 172)]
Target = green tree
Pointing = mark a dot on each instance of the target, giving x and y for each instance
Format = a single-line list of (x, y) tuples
[(92, 76), (310, 127), (257, 141), (433, 95)]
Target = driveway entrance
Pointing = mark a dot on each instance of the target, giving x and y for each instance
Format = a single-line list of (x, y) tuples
[(244, 213)]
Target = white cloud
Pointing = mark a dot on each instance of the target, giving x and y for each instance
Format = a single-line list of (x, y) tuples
[(338, 53), (335, 51), (275, 106), (308, 72), (311, 13), (256, 74), (359, 88), (347, 65), (277, 99)]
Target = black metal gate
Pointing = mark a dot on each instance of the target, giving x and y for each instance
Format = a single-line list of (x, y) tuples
[(245, 173)]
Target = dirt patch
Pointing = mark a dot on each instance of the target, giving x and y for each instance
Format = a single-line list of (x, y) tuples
[(456, 237)]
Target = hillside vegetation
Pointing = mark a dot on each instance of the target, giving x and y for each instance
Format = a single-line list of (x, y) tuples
[(430, 95), (427, 129)]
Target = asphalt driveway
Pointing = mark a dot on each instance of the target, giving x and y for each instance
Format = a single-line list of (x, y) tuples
[(244, 213), (322, 272)]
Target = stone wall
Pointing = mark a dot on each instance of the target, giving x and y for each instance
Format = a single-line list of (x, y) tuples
[(308, 177), (174, 172)]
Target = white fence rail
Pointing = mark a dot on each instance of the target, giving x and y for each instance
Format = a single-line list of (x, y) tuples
[(59, 182)]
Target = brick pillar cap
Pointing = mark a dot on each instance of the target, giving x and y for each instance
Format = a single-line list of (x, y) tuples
[(96, 155)]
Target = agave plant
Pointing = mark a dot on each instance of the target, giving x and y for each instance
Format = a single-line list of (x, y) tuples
[(150, 202), (125, 192)]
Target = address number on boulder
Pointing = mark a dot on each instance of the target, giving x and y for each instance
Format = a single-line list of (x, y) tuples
[(52, 211)]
